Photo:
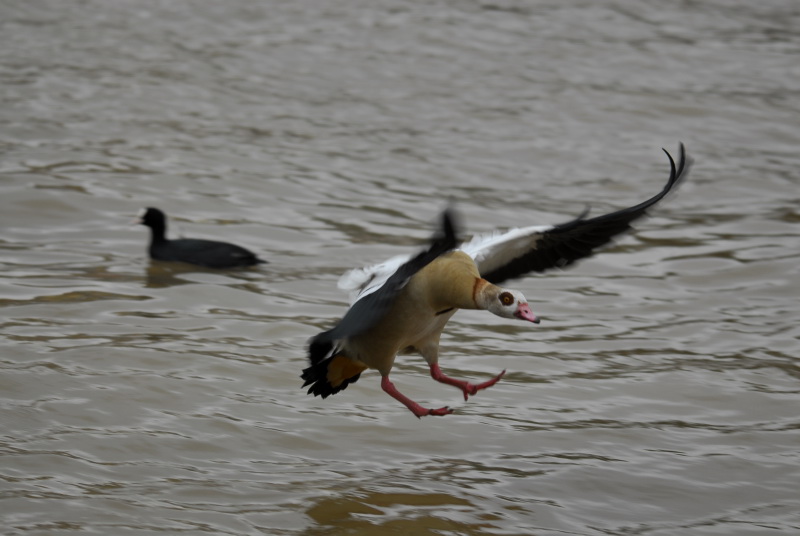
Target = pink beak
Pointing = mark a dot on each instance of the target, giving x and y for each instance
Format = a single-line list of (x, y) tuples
[(524, 313)]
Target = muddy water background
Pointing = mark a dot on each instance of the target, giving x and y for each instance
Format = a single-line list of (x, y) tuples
[(659, 395)]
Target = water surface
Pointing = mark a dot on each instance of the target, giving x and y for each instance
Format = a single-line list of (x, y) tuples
[(658, 396)]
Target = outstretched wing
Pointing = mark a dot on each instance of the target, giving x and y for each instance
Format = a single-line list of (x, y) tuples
[(503, 256), (372, 306)]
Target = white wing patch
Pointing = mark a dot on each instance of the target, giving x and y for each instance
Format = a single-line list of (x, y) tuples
[(489, 251), (360, 282), (494, 250)]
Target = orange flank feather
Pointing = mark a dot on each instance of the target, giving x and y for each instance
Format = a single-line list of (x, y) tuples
[(341, 368)]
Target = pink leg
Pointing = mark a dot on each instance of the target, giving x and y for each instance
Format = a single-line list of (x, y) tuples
[(415, 408), (466, 387)]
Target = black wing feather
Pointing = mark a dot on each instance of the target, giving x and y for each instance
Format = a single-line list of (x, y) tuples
[(569, 242)]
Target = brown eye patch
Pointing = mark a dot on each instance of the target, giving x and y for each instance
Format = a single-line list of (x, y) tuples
[(506, 298)]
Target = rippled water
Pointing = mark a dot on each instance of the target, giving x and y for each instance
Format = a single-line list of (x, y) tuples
[(658, 396)]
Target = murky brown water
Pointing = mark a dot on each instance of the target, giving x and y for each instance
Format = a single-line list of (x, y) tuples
[(659, 395)]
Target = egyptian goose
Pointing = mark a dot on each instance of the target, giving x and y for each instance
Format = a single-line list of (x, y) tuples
[(206, 253), (404, 303)]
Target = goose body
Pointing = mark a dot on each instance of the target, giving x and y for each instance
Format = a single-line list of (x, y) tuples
[(197, 251), (404, 303)]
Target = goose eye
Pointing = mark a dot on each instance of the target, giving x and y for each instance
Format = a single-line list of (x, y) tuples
[(506, 298)]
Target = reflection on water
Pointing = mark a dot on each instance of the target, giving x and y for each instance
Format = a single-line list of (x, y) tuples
[(659, 395), (395, 513), (167, 274)]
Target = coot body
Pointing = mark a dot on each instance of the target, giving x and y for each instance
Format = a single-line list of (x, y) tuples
[(197, 251)]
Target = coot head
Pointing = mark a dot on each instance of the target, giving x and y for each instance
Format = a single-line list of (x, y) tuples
[(152, 217)]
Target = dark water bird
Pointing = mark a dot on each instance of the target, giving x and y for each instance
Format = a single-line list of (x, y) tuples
[(197, 251), (404, 303)]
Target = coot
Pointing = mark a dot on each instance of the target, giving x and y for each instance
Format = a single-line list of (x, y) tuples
[(207, 253)]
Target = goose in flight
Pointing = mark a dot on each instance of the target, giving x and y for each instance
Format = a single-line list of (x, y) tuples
[(403, 304)]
